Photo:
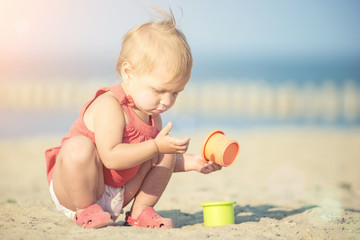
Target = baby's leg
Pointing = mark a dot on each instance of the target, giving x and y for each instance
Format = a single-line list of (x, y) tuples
[(149, 183), (78, 175)]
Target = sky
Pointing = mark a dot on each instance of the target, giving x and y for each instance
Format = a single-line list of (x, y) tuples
[(68, 37)]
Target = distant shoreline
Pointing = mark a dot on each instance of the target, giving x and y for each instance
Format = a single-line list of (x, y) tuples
[(33, 107)]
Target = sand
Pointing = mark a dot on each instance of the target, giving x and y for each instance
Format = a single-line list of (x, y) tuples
[(288, 184)]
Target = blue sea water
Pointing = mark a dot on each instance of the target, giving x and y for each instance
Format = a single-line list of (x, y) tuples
[(279, 70), (273, 72)]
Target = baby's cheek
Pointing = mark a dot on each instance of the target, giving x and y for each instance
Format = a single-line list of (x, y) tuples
[(146, 101)]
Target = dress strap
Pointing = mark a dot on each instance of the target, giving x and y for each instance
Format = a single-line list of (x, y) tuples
[(127, 100), (127, 104)]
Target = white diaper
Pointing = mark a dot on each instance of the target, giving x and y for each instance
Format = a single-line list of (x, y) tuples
[(111, 201)]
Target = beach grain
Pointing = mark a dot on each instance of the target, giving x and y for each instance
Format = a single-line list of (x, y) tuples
[(288, 184)]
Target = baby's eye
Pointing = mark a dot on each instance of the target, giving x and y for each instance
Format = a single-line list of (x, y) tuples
[(159, 91)]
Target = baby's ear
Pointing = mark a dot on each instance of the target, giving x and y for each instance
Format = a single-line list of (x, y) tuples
[(126, 72)]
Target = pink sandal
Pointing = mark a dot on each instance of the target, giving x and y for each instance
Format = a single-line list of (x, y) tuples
[(149, 219), (93, 217)]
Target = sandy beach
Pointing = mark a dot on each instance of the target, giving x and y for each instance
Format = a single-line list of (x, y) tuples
[(288, 184)]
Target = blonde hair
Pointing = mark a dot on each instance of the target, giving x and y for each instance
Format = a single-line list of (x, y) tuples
[(157, 42)]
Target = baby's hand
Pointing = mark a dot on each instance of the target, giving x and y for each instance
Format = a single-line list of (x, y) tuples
[(203, 166), (167, 144)]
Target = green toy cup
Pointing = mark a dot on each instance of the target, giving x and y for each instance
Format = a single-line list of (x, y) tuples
[(218, 213)]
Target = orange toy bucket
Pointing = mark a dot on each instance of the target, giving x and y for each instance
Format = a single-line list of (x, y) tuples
[(220, 149)]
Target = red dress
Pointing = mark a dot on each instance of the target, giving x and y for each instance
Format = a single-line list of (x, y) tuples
[(135, 131)]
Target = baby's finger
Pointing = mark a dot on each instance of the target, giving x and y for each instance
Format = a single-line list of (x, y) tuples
[(215, 165), (182, 142), (181, 149), (166, 129), (207, 169), (212, 167)]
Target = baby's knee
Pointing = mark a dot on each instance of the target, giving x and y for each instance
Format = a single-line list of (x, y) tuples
[(79, 150), (170, 157), (166, 160)]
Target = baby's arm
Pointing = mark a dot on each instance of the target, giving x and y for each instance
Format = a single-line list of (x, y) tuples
[(109, 122), (191, 162)]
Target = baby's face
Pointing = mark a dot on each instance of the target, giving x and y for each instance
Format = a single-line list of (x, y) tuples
[(155, 93)]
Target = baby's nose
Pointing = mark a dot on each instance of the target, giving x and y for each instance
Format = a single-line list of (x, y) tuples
[(166, 99)]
